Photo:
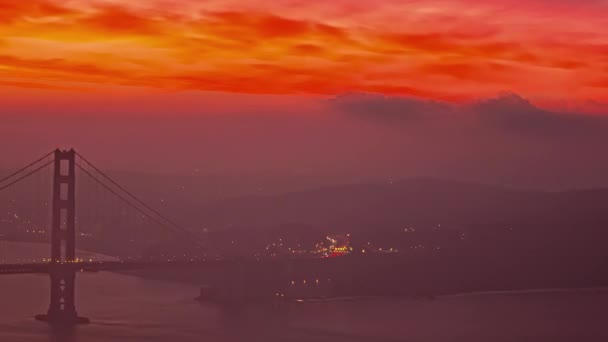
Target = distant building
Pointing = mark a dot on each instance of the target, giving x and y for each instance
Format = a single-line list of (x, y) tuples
[(339, 245)]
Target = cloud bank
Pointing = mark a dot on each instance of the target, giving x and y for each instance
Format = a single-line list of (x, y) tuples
[(455, 50)]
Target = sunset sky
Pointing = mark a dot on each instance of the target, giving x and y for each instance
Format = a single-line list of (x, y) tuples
[(312, 91), (553, 52)]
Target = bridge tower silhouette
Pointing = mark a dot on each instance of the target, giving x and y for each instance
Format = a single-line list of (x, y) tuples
[(62, 307), (64, 263)]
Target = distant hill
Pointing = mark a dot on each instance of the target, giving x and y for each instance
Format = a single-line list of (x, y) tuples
[(417, 201), (202, 201)]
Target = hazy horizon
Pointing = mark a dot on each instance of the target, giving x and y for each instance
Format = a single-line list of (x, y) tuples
[(353, 138)]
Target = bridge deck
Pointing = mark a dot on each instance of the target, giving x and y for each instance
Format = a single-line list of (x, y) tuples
[(42, 268)]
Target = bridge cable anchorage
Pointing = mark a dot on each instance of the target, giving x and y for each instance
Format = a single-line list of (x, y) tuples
[(131, 195), (143, 212), (26, 176)]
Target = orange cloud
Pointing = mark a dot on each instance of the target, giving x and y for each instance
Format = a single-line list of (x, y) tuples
[(119, 20), (444, 49), (11, 11)]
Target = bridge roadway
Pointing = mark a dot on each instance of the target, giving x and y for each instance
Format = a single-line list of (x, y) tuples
[(97, 266)]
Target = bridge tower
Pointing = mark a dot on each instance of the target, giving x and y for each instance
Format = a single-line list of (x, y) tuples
[(62, 308)]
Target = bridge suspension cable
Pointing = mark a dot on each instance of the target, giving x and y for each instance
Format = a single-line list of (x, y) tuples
[(26, 167), (24, 176), (127, 197), (170, 222), (105, 186)]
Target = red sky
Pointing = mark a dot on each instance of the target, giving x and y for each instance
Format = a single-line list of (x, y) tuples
[(554, 52)]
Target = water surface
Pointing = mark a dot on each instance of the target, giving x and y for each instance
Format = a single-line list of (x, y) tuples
[(127, 308)]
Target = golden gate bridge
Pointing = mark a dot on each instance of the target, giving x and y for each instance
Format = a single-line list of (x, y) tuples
[(63, 264)]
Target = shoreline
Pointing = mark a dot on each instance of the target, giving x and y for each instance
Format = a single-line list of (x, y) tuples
[(600, 289)]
